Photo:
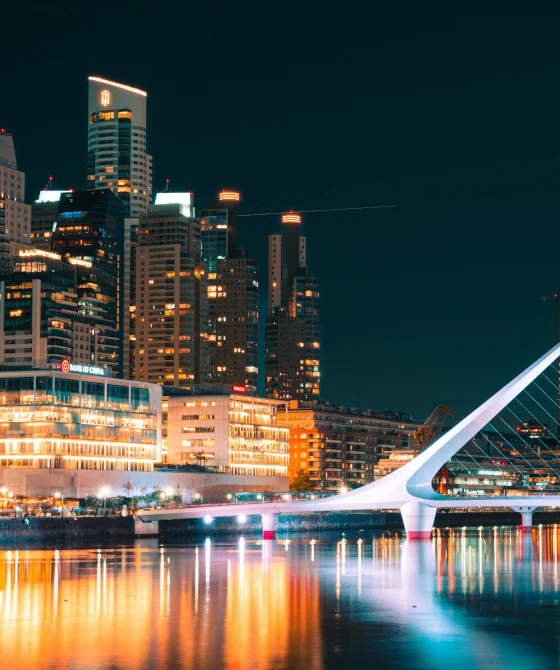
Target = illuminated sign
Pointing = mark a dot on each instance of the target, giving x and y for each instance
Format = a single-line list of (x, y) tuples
[(81, 368), (229, 195), (105, 98), (238, 388)]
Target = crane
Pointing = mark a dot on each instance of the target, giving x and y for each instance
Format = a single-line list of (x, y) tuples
[(432, 428)]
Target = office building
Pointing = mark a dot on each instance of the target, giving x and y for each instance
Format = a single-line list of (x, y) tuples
[(233, 295), (292, 337), (170, 300), (341, 446), (58, 419), (117, 149), (89, 234), (17, 215), (43, 216), (235, 432)]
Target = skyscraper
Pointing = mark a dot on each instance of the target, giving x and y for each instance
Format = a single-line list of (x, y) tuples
[(117, 153), (43, 216), (292, 342), (17, 215), (89, 234), (233, 295), (170, 301)]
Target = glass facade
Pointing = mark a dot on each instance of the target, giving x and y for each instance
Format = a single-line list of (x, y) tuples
[(57, 420)]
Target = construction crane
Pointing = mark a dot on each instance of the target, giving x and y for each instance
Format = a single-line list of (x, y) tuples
[(432, 428)]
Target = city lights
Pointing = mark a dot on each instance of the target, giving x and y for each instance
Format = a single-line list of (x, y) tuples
[(241, 518), (208, 519)]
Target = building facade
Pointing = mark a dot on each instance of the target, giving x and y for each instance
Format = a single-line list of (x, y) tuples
[(170, 299), (17, 214), (117, 149), (233, 295), (43, 217), (235, 432), (340, 446), (53, 419), (292, 329), (89, 235)]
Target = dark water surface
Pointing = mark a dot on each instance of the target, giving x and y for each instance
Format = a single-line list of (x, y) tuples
[(467, 599)]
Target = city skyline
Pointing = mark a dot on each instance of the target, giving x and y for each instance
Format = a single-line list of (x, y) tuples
[(466, 171)]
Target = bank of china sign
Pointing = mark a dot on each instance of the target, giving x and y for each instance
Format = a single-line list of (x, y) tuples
[(81, 368)]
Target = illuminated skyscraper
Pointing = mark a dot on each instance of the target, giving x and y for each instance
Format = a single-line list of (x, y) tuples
[(117, 153), (17, 215), (233, 295), (89, 234), (292, 342), (170, 296)]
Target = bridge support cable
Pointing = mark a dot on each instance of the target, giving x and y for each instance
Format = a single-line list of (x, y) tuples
[(539, 439), (531, 466), (547, 463), (501, 453)]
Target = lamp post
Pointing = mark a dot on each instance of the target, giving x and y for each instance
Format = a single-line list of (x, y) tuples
[(104, 494), (60, 494)]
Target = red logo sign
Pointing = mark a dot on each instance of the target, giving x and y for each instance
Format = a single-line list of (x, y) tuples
[(65, 365), (238, 388)]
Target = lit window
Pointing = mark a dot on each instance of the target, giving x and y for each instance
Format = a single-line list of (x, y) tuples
[(125, 115)]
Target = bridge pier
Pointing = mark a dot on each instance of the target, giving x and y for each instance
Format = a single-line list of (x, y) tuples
[(418, 520), (269, 524), (145, 528), (526, 517)]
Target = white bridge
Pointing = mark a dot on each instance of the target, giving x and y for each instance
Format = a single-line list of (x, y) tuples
[(409, 488)]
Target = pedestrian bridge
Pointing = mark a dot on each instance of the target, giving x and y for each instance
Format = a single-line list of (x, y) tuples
[(408, 489)]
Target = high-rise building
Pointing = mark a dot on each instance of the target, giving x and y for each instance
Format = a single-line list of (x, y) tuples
[(117, 150), (38, 309), (170, 300), (17, 215), (89, 234), (292, 339), (43, 216), (233, 295)]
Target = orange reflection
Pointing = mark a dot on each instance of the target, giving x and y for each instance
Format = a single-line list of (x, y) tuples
[(139, 607)]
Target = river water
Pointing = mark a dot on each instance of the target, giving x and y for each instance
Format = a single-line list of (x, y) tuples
[(468, 599)]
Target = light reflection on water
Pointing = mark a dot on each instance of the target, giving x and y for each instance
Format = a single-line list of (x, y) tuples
[(476, 599)]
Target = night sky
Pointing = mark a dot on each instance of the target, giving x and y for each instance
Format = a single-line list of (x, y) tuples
[(453, 120)]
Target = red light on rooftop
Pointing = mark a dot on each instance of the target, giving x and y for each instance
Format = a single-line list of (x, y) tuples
[(231, 196), (51, 178), (291, 218), (2, 130)]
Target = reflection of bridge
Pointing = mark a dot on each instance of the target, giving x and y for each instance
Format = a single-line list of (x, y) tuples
[(409, 488)]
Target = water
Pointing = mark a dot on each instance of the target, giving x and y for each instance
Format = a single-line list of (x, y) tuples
[(469, 599)]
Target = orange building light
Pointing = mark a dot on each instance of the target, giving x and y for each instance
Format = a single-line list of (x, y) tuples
[(291, 218), (231, 196)]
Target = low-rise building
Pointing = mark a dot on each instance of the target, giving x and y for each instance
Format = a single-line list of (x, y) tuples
[(236, 433), (341, 446), (68, 418)]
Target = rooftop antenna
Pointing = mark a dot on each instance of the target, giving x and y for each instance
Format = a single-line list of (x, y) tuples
[(48, 186), (166, 189)]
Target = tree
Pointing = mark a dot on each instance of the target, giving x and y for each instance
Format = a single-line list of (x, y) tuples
[(300, 482)]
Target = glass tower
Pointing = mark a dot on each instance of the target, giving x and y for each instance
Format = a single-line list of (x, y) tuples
[(117, 153)]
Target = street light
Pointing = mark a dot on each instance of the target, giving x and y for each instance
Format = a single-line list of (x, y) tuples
[(241, 518), (104, 494), (343, 489)]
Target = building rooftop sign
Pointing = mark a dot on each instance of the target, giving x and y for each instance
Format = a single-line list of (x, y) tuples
[(82, 368)]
